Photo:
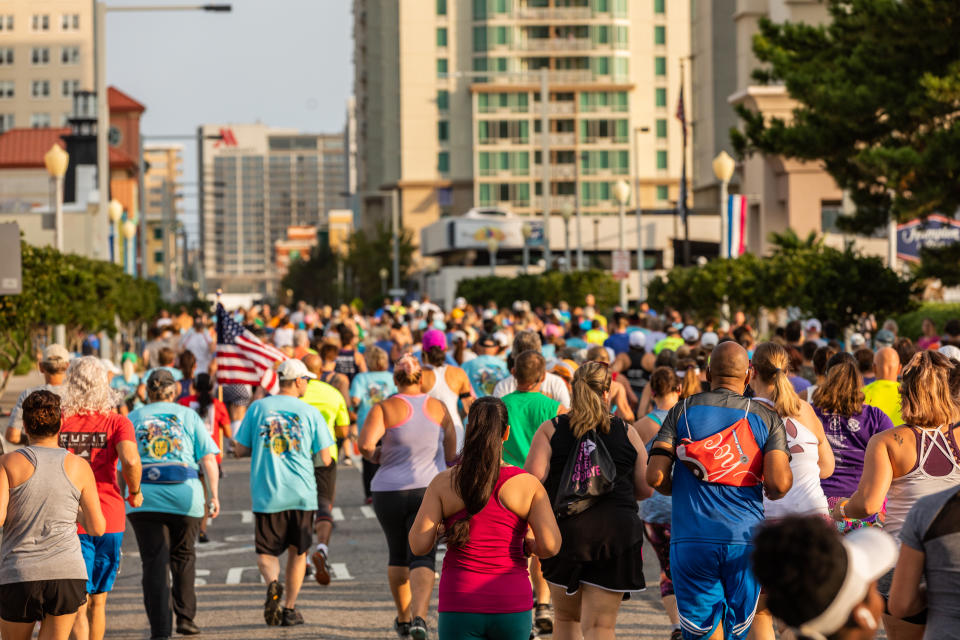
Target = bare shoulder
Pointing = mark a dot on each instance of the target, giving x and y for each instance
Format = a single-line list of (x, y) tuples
[(436, 408), (809, 417)]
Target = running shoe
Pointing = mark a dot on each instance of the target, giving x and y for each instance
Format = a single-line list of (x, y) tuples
[(272, 611), (418, 628), (203, 538), (402, 628), (187, 628), (322, 569), (291, 618), (543, 619), (676, 635)]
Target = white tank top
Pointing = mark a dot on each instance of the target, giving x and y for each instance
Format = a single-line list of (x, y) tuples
[(805, 496), (907, 489), (442, 392)]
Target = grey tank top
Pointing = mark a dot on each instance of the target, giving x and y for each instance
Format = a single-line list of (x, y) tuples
[(411, 452), (40, 537)]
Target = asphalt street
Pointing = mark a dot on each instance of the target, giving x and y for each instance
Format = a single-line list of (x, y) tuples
[(357, 604)]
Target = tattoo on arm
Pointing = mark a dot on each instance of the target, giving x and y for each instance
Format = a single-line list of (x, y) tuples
[(898, 438)]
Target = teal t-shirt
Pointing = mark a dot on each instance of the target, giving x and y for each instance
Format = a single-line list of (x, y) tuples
[(484, 372), (371, 387), (283, 433), (169, 432), (176, 373)]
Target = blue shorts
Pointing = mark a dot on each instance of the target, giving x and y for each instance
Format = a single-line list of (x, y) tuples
[(714, 585), (102, 557)]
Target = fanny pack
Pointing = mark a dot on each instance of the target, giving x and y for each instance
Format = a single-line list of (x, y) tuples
[(167, 473), (730, 457)]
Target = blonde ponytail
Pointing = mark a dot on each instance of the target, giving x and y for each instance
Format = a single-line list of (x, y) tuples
[(771, 362), (589, 411)]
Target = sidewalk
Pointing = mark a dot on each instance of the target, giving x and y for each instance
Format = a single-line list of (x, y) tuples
[(17, 385)]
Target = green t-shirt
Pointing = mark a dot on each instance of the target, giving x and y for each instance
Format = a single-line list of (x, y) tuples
[(526, 411), (884, 395)]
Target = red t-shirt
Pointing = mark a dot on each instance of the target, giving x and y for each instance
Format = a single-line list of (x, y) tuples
[(94, 437), (216, 419)]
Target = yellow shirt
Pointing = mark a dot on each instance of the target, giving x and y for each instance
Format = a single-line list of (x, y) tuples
[(885, 395), (328, 400), (596, 336)]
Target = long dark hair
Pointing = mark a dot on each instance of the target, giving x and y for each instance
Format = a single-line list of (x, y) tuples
[(476, 475), (203, 385)]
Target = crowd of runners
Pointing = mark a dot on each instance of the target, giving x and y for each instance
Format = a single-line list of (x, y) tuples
[(779, 479)]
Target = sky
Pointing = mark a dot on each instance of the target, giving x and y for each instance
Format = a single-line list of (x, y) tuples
[(286, 63)]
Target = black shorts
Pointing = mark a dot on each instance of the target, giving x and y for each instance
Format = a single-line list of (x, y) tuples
[(33, 601), (275, 532), (326, 478), (396, 511)]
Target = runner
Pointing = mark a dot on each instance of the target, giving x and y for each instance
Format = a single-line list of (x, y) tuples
[(884, 391), (282, 435), (445, 382), (53, 365), (716, 509), (44, 492), (485, 507), (366, 390), (93, 430), (553, 385), (488, 368)]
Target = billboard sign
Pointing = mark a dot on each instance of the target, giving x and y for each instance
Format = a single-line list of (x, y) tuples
[(934, 232), (470, 233), (11, 266)]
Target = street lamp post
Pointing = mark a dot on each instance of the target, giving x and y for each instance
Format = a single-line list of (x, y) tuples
[(622, 193), (114, 213), (384, 272), (129, 230), (526, 230), (567, 212), (492, 245), (636, 200), (723, 168), (56, 160)]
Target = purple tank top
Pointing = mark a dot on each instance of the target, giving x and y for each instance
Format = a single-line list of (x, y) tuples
[(488, 574), (411, 451)]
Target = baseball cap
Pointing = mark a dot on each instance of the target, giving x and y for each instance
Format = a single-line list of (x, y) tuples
[(457, 314), (709, 339), (870, 554), (884, 338), (501, 339), (160, 379), (637, 339), (54, 353), (950, 351), (487, 340), (434, 338), (458, 335), (813, 325), (690, 333), (489, 314), (857, 340), (292, 369), (460, 302)]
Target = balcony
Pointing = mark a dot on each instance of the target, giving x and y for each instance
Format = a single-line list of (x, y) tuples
[(554, 203), (532, 76), (557, 172), (561, 107), (561, 139), (555, 44), (554, 13)]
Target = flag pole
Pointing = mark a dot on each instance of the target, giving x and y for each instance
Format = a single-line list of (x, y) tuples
[(684, 211)]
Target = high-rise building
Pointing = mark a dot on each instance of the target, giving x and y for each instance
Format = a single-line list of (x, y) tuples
[(255, 183), (46, 54), (163, 208), (449, 109)]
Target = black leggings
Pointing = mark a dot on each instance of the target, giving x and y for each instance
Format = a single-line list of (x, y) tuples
[(396, 511)]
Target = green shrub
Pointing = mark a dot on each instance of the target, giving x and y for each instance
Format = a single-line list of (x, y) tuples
[(939, 312), (551, 287)]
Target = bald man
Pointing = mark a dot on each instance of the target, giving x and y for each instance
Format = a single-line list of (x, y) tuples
[(329, 401), (718, 497), (884, 392)]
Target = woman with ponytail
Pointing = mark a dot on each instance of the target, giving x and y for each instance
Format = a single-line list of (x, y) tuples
[(484, 507), (599, 563), (811, 455)]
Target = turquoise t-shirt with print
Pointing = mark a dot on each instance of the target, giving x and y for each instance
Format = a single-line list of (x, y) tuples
[(283, 433), (484, 372), (169, 432), (371, 388)]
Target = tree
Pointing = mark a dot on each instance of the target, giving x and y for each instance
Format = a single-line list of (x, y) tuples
[(550, 287), (878, 89), (315, 280)]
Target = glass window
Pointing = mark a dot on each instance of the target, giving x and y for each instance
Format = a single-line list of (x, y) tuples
[(621, 101), (443, 162), (621, 162), (40, 55), (621, 36), (486, 194), (479, 38), (483, 163), (442, 37), (479, 9), (659, 34), (663, 192), (601, 34), (661, 159), (660, 97), (621, 131), (502, 6), (158, 256), (483, 131), (661, 127), (158, 233), (443, 100), (521, 166), (660, 66), (601, 6), (620, 8), (500, 64), (659, 6), (479, 64), (443, 130), (601, 66), (441, 66), (441, 7), (6, 55), (524, 131), (621, 67)]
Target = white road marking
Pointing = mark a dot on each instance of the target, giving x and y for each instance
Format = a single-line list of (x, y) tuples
[(339, 571), (243, 537), (225, 552), (235, 574), (367, 512), (246, 517), (337, 514), (198, 581)]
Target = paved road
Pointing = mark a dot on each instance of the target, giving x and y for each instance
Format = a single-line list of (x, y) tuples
[(356, 605)]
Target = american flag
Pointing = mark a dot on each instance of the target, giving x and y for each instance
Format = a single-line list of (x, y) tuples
[(242, 358), (682, 116)]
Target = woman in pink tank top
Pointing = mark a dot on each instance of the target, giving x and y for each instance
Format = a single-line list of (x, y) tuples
[(485, 507)]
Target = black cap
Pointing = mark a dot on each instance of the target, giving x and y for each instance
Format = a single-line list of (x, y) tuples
[(487, 340), (160, 379)]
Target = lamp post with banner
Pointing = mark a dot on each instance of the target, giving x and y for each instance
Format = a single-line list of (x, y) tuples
[(621, 192)]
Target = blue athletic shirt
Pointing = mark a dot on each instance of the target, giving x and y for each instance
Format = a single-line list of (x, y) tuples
[(371, 387), (709, 512), (484, 372), (283, 433), (169, 432)]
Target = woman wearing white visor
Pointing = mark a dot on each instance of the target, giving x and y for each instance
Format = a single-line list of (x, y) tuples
[(821, 584)]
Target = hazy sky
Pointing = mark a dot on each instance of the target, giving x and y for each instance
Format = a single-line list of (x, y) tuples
[(286, 63)]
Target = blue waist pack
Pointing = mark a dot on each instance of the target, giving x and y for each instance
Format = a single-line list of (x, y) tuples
[(167, 473)]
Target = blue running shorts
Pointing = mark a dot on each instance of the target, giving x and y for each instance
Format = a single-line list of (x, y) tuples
[(102, 557), (714, 584)]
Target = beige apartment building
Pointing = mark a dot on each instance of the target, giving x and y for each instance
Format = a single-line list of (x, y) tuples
[(46, 54), (449, 110), (163, 209)]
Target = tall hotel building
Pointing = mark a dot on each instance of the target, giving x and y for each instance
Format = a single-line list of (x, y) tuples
[(449, 108), (255, 183)]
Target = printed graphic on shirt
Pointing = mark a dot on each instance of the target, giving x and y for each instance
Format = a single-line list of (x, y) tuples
[(281, 432), (486, 378), (83, 443), (377, 392), (161, 436)]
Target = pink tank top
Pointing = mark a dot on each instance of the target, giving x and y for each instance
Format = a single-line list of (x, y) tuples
[(489, 574)]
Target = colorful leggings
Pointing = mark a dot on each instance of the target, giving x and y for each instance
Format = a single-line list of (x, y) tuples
[(659, 537)]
